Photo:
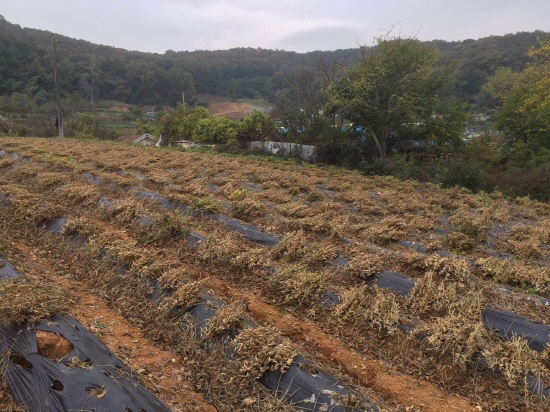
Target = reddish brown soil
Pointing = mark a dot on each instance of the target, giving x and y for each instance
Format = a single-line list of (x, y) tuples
[(53, 346), (232, 110), (161, 371), (402, 389)]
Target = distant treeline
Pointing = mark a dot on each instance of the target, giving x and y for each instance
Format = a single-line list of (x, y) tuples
[(148, 78)]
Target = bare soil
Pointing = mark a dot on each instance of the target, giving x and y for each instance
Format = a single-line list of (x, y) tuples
[(161, 371)]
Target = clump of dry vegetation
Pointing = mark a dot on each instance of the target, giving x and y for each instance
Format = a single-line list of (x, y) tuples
[(173, 278), (29, 300), (518, 363), (296, 247), (387, 230), (431, 297), (238, 194), (50, 179), (125, 211), (227, 320), (220, 250), (526, 241), (369, 306), (46, 211), (458, 337), (24, 201), (185, 296), (5, 162), (260, 350), (206, 204), (469, 229), (298, 287), (120, 251), (81, 226), (516, 272), (170, 226), (79, 193), (365, 264), (247, 207)]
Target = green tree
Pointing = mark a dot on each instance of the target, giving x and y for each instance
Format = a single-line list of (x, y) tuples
[(300, 106), (147, 127), (525, 113), (257, 126), (216, 130), (181, 123), (137, 112), (391, 90), (180, 81), (81, 126), (500, 83)]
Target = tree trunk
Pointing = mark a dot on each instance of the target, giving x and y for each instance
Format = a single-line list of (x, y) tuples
[(380, 145)]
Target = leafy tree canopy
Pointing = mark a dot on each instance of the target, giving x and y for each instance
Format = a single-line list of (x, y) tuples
[(525, 113), (393, 93)]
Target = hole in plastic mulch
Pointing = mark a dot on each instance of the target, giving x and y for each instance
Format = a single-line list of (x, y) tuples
[(21, 361), (57, 385)]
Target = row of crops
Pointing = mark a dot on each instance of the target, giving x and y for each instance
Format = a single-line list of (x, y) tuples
[(439, 284)]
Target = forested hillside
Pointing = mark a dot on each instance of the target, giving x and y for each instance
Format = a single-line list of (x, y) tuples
[(147, 78)]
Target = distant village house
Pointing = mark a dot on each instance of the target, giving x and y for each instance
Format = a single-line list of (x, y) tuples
[(140, 139)]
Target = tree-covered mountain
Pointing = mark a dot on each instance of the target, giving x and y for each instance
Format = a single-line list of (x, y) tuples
[(150, 78)]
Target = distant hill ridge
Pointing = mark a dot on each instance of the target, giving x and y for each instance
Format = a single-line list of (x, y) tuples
[(150, 78)]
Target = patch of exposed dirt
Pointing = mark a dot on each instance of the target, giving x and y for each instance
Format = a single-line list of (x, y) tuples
[(161, 371), (52, 346), (402, 389), (231, 110)]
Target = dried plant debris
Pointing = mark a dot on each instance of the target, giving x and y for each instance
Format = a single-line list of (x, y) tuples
[(23, 200), (365, 306), (220, 251), (260, 350), (431, 296), (296, 247), (185, 297), (170, 226), (517, 362), (448, 268), (28, 300), (81, 226), (227, 320), (299, 287), (125, 210), (79, 193), (516, 272), (458, 336), (173, 278), (248, 208), (365, 264), (45, 212)]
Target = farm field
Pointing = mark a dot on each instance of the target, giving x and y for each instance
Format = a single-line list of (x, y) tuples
[(225, 283)]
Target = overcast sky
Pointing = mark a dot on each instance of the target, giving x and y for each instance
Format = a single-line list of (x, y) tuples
[(299, 25)]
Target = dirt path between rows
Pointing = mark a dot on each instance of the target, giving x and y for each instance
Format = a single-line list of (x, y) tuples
[(402, 389), (136, 350), (160, 371)]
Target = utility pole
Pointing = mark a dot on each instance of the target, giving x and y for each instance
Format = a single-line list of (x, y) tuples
[(92, 97), (183, 99), (57, 95)]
